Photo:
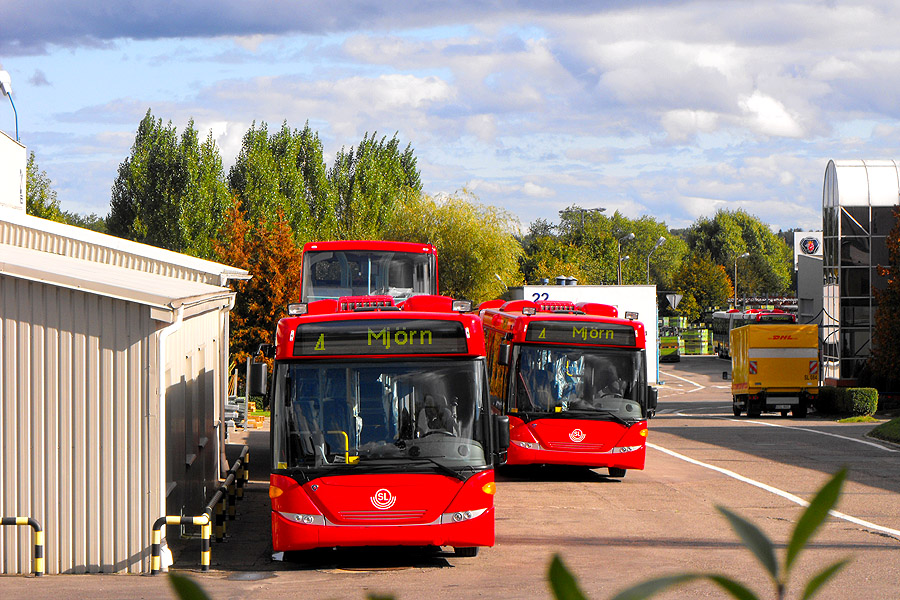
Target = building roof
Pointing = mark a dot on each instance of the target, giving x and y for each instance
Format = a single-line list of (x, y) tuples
[(20, 229), (150, 289)]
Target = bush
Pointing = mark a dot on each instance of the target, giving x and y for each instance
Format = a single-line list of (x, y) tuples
[(846, 401), (826, 400), (857, 401)]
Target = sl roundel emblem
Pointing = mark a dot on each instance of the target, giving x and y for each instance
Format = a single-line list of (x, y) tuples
[(383, 499), (809, 245), (577, 435)]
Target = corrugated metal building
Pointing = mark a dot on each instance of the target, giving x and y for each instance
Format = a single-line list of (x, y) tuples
[(113, 362)]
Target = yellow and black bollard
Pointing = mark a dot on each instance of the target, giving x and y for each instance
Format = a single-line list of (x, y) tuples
[(38, 539)]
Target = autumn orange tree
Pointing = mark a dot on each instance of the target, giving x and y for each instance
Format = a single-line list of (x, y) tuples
[(268, 252), (705, 284), (885, 358)]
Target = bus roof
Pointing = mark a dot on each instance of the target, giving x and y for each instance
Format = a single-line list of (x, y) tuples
[(583, 324), (370, 245), (353, 327)]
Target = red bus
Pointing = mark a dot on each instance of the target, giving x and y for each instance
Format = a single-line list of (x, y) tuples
[(572, 380), (380, 431), (364, 268), (723, 321)]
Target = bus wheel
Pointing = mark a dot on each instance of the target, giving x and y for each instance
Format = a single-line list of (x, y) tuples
[(616, 472), (467, 552)]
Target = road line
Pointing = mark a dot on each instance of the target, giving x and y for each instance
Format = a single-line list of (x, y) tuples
[(894, 533), (684, 379), (842, 437)]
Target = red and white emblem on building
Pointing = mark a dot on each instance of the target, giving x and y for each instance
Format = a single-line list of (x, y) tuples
[(383, 499)]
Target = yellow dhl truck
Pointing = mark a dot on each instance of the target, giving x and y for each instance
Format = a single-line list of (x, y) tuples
[(774, 368)]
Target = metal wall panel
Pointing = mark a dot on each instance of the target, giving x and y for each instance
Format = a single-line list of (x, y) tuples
[(195, 388), (76, 404)]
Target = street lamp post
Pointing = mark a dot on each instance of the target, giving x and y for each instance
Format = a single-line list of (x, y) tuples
[(6, 90), (659, 243), (588, 210), (744, 255), (624, 238)]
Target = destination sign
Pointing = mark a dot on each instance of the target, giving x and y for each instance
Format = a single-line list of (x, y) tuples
[(580, 332), (380, 336)]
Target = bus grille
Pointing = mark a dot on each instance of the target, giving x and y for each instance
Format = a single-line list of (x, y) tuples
[(381, 516), (573, 447)]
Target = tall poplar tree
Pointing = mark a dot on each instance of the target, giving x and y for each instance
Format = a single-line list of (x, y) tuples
[(169, 193)]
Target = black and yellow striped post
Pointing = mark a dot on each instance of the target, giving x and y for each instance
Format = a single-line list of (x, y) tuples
[(204, 545), (156, 538), (220, 519), (239, 481), (38, 539), (231, 501)]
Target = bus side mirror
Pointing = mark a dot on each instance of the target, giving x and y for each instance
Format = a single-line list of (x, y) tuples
[(503, 354), (501, 432), (652, 400), (258, 377)]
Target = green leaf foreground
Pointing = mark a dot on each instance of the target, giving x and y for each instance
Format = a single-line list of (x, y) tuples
[(755, 540), (185, 588), (562, 582)]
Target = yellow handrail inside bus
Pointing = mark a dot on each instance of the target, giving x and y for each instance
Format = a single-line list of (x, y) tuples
[(346, 446)]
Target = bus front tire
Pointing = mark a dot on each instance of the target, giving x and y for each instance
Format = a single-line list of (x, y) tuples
[(616, 472), (467, 552)]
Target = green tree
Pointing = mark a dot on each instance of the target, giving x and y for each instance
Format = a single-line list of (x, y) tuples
[(704, 281), (369, 181), (40, 197), (478, 252), (285, 174), (169, 193), (729, 234), (586, 242)]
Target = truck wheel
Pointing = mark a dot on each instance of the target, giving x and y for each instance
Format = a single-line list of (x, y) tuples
[(784, 413), (736, 410), (800, 411), (754, 408)]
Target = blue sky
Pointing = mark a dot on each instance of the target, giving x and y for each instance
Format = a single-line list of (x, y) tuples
[(667, 109)]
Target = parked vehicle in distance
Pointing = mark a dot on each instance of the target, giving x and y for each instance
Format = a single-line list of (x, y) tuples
[(723, 321), (573, 381), (774, 368)]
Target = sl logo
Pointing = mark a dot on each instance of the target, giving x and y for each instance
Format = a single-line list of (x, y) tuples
[(577, 435), (809, 245), (383, 499)]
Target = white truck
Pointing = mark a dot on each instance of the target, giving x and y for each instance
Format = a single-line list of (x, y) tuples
[(640, 299)]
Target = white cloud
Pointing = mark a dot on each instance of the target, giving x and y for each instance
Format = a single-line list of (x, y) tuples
[(767, 116), (681, 125)]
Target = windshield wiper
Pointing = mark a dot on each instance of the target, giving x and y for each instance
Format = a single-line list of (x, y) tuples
[(442, 467)]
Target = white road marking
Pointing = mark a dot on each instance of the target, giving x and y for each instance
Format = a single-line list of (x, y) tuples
[(842, 437), (695, 384), (894, 533)]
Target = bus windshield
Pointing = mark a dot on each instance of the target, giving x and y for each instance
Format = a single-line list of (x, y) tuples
[(351, 414), (599, 382), (332, 274)]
